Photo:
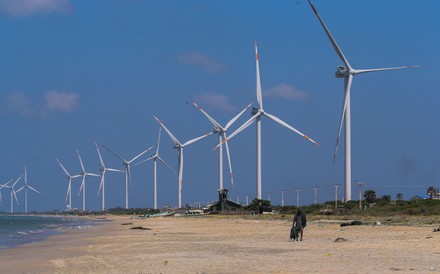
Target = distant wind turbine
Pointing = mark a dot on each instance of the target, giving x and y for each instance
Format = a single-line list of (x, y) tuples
[(69, 185), (347, 73), (13, 192), (127, 164), (83, 183), (103, 170), (257, 112), (26, 187), (155, 156), (221, 131), (179, 146), (2, 186)]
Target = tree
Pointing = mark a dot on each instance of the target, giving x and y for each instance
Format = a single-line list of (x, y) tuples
[(431, 192), (370, 196), (399, 196)]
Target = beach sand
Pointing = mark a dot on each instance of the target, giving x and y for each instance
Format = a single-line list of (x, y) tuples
[(219, 244)]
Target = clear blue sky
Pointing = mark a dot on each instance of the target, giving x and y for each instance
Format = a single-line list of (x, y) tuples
[(74, 72)]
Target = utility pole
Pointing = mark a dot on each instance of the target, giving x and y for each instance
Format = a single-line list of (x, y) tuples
[(268, 196), (297, 197), (316, 191), (360, 184), (336, 194)]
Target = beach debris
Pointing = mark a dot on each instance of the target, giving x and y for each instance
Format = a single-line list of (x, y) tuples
[(340, 239), (395, 269), (352, 223), (141, 228), (126, 223), (436, 229)]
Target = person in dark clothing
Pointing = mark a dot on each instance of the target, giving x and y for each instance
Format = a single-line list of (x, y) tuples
[(300, 222)]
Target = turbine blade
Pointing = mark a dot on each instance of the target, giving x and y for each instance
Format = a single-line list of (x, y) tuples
[(146, 160), (20, 189), (213, 121), (240, 129), (347, 83), (167, 165), (100, 156), (259, 95), (83, 184), (34, 189), (15, 195), (140, 154), (359, 71), (281, 122), (229, 161), (158, 140), (65, 171), (80, 160), (102, 181), (237, 116), (330, 37), (115, 170), (196, 139), (69, 188), (169, 132), (122, 159), (16, 181)]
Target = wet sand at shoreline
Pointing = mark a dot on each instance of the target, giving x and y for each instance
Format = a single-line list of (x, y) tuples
[(218, 244)]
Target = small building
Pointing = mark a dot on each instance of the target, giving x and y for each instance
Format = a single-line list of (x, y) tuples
[(223, 203)]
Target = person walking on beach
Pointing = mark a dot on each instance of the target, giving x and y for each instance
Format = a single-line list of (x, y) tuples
[(299, 222)]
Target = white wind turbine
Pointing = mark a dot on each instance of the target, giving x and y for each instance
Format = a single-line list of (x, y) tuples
[(178, 145), (222, 136), (155, 156), (69, 184), (127, 164), (26, 187), (257, 113), (13, 193), (103, 170), (347, 73), (2, 186), (83, 183)]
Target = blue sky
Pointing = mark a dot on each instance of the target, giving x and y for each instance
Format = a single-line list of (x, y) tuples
[(75, 72)]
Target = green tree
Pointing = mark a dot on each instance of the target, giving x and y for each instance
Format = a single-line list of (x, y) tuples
[(370, 196), (431, 192)]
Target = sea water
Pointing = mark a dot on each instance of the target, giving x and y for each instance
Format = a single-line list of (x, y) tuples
[(16, 230)]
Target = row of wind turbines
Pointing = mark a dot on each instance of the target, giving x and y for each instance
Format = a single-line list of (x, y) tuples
[(347, 72), (13, 192)]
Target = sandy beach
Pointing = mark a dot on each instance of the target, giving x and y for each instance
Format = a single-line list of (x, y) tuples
[(219, 244)]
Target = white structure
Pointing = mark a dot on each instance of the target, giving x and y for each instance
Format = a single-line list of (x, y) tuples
[(257, 113), (155, 156), (179, 146), (103, 170), (127, 164), (26, 187), (69, 185), (2, 186), (13, 192), (83, 182), (221, 131), (347, 73)]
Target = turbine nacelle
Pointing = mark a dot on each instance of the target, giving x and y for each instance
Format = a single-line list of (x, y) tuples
[(341, 72)]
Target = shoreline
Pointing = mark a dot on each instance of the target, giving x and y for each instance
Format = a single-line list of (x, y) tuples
[(227, 244)]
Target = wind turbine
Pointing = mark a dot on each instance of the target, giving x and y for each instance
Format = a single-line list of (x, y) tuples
[(103, 170), (2, 186), (179, 146), (69, 184), (127, 164), (83, 183), (257, 113), (155, 156), (13, 192), (347, 72), (26, 187), (222, 136)]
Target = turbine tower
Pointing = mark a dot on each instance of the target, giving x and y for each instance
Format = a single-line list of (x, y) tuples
[(222, 136), (127, 164), (26, 187), (103, 170), (83, 183), (69, 185), (179, 146), (257, 112), (155, 156), (347, 72)]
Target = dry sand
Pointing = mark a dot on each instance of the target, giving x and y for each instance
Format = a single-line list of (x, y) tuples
[(218, 244)]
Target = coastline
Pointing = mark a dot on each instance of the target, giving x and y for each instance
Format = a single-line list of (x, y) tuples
[(231, 244)]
